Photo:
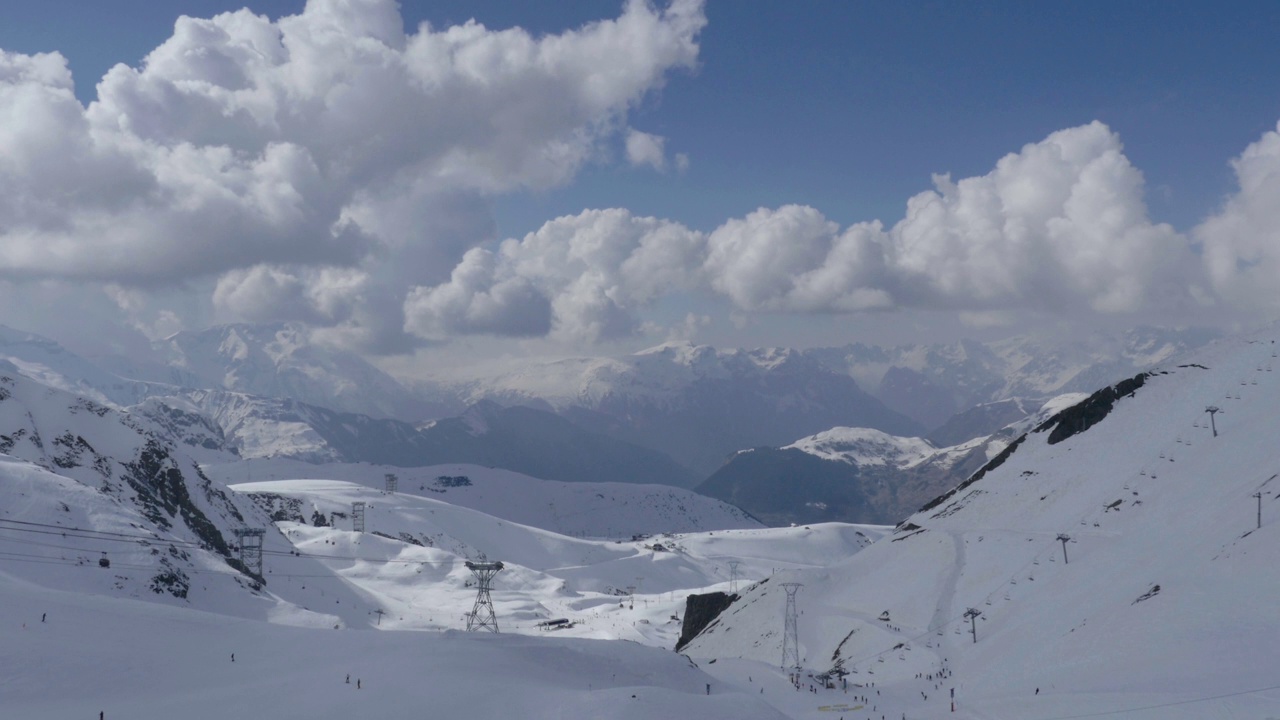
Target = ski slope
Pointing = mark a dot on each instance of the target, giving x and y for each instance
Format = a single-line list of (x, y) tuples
[(141, 661), (410, 562), (1164, 606)]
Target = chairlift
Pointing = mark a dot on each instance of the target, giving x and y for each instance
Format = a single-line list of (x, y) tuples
[(103, 561)]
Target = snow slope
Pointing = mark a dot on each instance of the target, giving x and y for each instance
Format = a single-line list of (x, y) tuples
[(410, 561), (612, 510), (139, 661), (151, 632), (1165, 609)]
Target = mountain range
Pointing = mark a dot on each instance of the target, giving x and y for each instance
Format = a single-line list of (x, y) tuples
[(678, 414)]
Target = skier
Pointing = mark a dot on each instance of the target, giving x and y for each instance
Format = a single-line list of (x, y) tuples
[(357, 683), (42, 616), (233, 657), (348, 678)]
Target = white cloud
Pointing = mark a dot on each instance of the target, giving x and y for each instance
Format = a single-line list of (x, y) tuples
[(1241, 241), (580, 278), (646, 149), (1059, 227), (268, 151), (795, 260)]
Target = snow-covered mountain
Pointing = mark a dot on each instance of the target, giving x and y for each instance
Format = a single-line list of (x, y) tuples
[(281, 361), (1111, 557), (576, 509), (930, 383), (526, 440), (69, 462), (48, 363), (858, 474), (696, 404), (115, 571)]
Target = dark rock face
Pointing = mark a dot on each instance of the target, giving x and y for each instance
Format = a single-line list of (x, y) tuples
[(1071, 421), (699, 612), (1082, 416)]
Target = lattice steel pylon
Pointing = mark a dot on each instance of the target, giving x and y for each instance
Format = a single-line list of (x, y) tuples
[(482, 616), (790, 643), (393, 483), (733, 576), (251, 548), (357, 517)]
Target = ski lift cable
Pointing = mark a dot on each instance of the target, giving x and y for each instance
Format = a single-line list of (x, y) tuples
[(86, 534), (146, 541), (85, 563)]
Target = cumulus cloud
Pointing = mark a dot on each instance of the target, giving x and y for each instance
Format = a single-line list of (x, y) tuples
[(646, 149), (1241, 242), (581, 278), (278, 152), (1060, 226)]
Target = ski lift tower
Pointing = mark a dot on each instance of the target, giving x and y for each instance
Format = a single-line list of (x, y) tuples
[(251, 548), (482, 616), (1213, 410)]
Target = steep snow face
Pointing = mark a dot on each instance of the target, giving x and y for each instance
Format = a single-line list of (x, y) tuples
[(1156, 595), (280, 361)]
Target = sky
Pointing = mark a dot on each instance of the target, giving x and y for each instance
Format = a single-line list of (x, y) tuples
[(598, 177)]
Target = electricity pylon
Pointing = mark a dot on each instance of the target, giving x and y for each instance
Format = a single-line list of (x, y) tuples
[(790, 642), (357, 517), (733, 576), (251, 548), (482, 616)]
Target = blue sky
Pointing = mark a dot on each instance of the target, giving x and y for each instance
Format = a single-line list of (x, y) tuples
[(848, 108)]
